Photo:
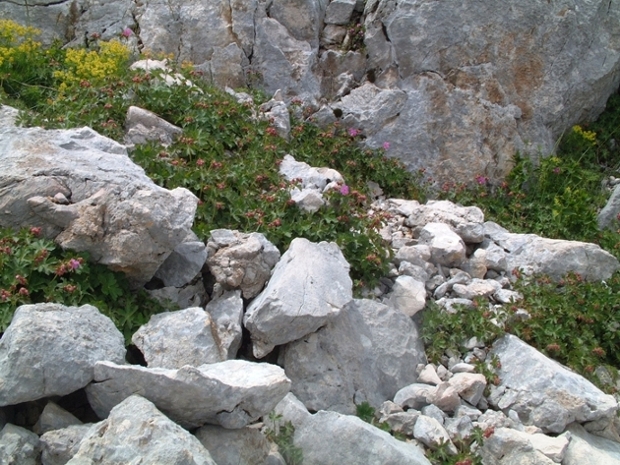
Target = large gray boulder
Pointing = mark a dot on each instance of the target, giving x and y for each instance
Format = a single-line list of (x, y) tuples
[(232, 394), (533, 254), (610, 213), (136, 432), (544, 393), (111, 209), (520, 71), (309, 285), (330, 438), (227, 314), (51, 350), (60, 445), (366, 354)]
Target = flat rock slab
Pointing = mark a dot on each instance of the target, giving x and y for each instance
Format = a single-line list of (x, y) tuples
[(136, 432), (115, 212), (367, 353), (543, 392), (51, 350), (247, 446), (310, 284), (232, 394), (553, 257), (329, 438)]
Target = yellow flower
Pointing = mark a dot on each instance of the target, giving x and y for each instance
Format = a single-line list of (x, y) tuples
[(590, 136)]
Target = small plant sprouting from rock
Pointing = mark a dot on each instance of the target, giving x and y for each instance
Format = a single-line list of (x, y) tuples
[(282, 434)]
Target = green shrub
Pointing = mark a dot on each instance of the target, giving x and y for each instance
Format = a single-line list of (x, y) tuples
[(35, 270)]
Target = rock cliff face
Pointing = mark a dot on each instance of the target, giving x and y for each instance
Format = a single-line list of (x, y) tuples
[(456, 87)]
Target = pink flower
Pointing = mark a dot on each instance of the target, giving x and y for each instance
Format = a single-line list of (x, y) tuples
[(386, 145), (127, 32), (344, 189), (354, 132), (557, 170), (74, 264), (482, 180)]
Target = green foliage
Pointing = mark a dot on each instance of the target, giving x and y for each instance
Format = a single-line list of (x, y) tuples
[(443, 331), (282, 435), (574, 321), (466, 450), (367, 413), (230, 160), (35, 270)]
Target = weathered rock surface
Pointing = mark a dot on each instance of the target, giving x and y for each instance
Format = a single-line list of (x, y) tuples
[(246, 446), (610, 213), (241, 261), (142, 126), (552, 399), (60, 445), (534, 254), (183, 264), (174, 339), (365, 354), (54, 417), (18, 446), (116, 213), (227, 314), (587, 449), (456, 91), (231, 394), (135, 432), (309, 285), (330, 438), (50, 349)]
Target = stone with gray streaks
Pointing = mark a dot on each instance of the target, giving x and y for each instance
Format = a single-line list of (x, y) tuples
[(136, 431), (447, 248), (408, 295), (54, 417), (309, 286), (232, 393), (586, 449), (142, 126), (51, 350)]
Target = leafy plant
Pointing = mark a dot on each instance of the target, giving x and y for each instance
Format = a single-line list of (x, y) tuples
[(282, 435), (35, 270), (443, 331)]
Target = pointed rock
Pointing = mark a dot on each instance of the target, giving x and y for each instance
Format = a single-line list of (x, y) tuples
[(309, 285), (136, 432)]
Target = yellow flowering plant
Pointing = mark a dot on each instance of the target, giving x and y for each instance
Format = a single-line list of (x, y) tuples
[(92, 67)]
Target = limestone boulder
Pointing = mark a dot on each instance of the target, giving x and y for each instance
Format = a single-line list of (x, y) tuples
[(366, 354), (114, 211), (121, 438), (609, 216), (331, 438), (533, 254), (447, 248), (232, 393), (551, 400), (183, 264), (51, 350), (309, 286), (226, 312), (174, 339)]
